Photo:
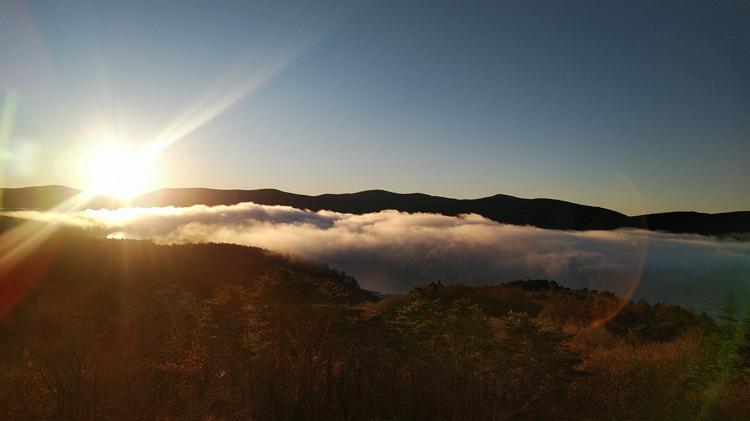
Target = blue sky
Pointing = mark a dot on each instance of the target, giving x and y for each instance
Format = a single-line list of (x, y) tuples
[(636, 106)]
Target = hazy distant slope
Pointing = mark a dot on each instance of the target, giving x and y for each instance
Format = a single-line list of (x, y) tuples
[(543, 213), (47, 197)]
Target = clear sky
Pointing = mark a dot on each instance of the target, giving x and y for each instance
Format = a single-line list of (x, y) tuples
[(639, 106)]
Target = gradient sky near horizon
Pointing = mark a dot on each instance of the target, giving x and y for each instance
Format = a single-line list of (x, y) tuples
[(638, 106)]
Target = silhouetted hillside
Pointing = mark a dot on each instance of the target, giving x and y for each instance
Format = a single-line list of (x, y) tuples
[(542, 213), (694, 222)]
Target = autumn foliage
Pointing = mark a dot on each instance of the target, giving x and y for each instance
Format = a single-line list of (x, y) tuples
[(131, 330)]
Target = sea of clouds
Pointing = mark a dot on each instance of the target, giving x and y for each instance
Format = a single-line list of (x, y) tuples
[(392, 251)]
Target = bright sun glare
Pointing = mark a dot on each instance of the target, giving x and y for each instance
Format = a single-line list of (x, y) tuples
[(117, 170)]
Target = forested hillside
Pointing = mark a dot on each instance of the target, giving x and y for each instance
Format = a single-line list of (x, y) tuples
[(131, 330)]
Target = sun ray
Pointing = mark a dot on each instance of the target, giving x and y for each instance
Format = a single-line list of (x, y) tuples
[(19, 241), (253, 71)]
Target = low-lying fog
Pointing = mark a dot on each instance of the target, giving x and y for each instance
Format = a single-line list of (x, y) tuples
[(393, 251)]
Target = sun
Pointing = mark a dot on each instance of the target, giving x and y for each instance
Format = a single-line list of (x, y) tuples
[(117, 170)]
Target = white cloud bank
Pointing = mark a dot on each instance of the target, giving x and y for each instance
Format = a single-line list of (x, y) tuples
[(392, 251)]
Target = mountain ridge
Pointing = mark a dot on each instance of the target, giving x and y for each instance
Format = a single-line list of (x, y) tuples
[(538, 212)]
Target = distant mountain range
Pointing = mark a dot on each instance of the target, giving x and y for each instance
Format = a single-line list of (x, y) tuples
[(542, 213)]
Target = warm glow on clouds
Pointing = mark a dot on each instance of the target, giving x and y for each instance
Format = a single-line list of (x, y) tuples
[(392, 251)]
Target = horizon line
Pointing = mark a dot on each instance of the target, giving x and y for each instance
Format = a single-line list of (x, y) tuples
[(371, 190)]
